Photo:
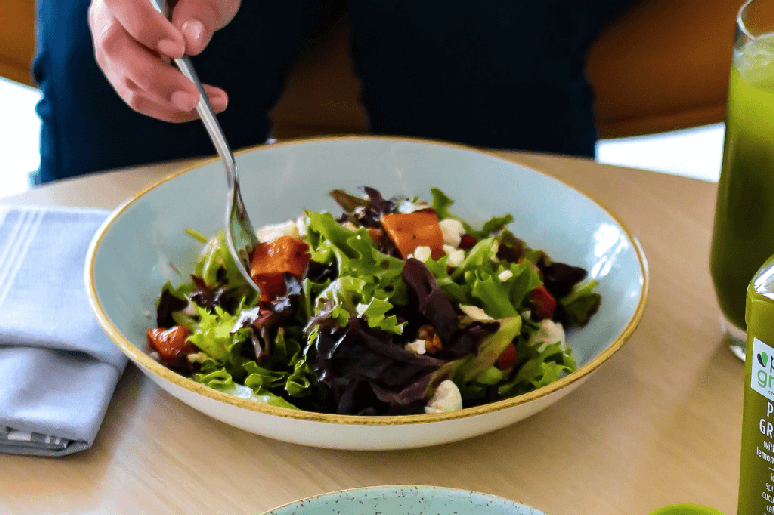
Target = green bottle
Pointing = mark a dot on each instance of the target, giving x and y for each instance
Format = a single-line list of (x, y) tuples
[(756, 481)]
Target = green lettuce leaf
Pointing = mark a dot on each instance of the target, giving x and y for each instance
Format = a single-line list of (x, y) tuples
[(222, 381), (481, 255), (490, 348), (260, 378), (582, 303), (287, 370), (215, 256), (541, 369), (367, 278), (182, 291), (302, 380), (212, 334), (356, 255), (441, 204), (458, 292), (477, 280), (504, 298), (374, 313)]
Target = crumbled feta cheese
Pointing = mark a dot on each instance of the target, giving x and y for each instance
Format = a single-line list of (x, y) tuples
[(407, 206), (548, 333), (495, 248), (476, 313), (302, 223), (422, 253), (446, 398), (456, 256), (452, 231), (269, 233), (505, 275), (417, 346)]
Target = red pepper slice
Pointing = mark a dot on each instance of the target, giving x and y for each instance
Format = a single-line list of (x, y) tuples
[(543, 303), (508, 357)]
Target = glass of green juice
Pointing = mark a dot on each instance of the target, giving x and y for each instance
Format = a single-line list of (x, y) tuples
[(743, 236)]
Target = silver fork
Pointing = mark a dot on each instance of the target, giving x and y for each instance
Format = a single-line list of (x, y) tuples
[(241, 238)]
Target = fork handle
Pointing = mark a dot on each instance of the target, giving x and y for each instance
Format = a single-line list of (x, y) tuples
[(204, 108), (207, 114)]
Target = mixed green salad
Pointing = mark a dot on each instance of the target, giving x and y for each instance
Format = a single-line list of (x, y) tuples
[(397, 306)]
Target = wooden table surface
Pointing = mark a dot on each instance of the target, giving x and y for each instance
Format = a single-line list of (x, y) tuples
[(659, 423)]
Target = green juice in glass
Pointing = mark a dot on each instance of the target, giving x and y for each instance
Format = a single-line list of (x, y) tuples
[(744, 220)]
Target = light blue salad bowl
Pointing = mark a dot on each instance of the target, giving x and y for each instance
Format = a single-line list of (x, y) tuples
[(143, 244)]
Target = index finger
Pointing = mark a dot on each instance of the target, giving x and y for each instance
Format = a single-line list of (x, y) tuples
[(148, 26)]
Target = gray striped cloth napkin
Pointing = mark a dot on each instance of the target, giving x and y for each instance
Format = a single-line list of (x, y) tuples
[(58, 369)]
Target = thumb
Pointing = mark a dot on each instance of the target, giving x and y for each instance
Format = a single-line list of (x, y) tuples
[(199, 19)]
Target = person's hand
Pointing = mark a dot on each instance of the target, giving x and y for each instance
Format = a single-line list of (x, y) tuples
[(133, 44)]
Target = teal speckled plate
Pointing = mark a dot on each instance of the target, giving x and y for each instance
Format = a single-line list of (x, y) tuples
[(405, 500)]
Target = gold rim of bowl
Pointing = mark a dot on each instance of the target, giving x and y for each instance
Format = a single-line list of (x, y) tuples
[(144, 361)]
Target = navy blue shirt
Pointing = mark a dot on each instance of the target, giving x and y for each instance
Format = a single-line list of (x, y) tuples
[(496, 74)]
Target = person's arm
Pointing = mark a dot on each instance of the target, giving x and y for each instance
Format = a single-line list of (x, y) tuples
[(133, 44)]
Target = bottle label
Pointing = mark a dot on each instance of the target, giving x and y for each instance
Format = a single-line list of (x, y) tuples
[(762, 377), (756, 491)]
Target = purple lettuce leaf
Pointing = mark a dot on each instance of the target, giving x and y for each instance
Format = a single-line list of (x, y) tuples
[(369, 372)]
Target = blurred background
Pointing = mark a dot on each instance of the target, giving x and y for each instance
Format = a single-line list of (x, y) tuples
[(692, 152), (659, 74)]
